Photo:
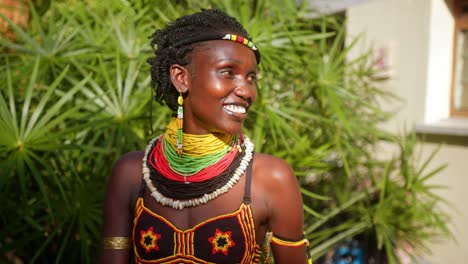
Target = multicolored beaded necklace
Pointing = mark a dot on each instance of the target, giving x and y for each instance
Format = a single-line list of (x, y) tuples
[(210, 166)]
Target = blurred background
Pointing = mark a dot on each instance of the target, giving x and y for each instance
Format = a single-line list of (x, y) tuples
[(366, 99)]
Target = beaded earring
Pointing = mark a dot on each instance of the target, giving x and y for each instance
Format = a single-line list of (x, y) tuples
[(180, 123)]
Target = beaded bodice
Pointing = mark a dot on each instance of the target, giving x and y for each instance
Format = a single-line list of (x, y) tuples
[(227, 238)]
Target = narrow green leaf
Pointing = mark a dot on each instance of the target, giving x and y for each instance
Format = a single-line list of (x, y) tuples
[(28, 97), (43, 101)]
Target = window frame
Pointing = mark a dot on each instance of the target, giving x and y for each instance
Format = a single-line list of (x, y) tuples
[(461, 23)]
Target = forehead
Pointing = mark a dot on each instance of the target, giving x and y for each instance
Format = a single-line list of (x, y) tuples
[(218, 50)]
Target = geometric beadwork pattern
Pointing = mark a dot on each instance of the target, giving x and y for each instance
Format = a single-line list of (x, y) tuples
[(221, 242), (228, 238), (149, 240)]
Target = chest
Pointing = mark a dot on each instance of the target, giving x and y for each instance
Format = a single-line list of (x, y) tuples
[(221, 239), (220, 207)]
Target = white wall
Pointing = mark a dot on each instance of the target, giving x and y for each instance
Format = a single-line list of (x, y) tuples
[(418, 37), (401, 26), (440, 53)]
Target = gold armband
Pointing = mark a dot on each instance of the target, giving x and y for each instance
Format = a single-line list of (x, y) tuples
[(116, 242)]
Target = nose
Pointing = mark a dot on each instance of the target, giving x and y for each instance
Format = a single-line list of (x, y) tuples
[(246, 89)]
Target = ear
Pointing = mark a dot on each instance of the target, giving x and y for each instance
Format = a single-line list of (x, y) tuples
[(180, 77)]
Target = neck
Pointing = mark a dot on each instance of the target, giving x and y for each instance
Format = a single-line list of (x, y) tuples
[(200, 145)]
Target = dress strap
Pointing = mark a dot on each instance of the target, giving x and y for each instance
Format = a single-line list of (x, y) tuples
[(142, 188), (248, 181)]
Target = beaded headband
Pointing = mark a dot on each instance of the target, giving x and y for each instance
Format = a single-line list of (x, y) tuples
[(220, 36)]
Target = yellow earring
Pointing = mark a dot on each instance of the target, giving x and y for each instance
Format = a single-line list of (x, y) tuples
[(180, 123)]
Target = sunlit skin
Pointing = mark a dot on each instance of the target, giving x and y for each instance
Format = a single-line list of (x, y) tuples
[(221, 73)]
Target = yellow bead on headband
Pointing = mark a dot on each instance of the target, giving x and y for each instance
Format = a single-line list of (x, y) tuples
[(220, 36)]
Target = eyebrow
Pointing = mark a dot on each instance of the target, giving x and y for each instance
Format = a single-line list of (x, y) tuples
[(254, 69), (229, 60)]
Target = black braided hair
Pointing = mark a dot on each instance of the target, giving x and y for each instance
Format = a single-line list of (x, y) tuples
[(206, 21)]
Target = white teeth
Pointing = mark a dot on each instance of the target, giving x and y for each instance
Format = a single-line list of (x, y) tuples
[(235, 109)]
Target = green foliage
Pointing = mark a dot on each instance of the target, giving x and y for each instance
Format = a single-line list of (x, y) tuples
[(74, 95)]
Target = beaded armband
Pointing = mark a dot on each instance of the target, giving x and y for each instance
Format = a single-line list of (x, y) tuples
[(288, 243), (116, 242), (276, 240)]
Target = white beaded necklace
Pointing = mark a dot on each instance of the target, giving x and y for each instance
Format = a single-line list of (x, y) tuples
[(181, 204)]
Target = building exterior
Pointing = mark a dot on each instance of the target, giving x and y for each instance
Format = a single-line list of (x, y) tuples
[(424, 52)]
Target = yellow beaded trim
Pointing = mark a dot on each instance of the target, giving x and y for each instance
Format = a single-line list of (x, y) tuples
[(117, 243)]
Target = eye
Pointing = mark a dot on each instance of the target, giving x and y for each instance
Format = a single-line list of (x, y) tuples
[(252, 77), (228, 73)]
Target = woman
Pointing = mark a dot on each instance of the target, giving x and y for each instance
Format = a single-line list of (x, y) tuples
[(198, 194)]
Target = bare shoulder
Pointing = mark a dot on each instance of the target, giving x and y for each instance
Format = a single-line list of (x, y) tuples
[(126, 174), (273, 169), (128, 165), (274, 181)]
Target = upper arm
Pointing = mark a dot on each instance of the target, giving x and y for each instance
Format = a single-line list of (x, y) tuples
[(285, 211), (123, 185)]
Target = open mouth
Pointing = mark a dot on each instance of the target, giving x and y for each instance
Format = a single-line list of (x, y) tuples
[(235, 109)]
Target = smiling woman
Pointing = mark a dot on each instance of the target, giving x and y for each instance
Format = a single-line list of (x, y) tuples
[(219, 88), (198, 194)]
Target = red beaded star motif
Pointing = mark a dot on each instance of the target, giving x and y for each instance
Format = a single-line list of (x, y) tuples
[(149, 240), (221, 242)]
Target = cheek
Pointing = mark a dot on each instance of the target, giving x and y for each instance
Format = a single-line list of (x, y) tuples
[(216, 86), (215, 90), (207, 94)]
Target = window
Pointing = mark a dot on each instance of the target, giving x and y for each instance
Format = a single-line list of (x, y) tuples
[(459, 102)]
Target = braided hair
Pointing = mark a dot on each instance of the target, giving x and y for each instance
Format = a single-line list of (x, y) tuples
[(167, 54)]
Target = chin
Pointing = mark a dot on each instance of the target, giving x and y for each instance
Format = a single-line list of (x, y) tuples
[(232, 130)]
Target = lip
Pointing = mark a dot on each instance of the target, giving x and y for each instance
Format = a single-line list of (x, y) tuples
[(237, 116)]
